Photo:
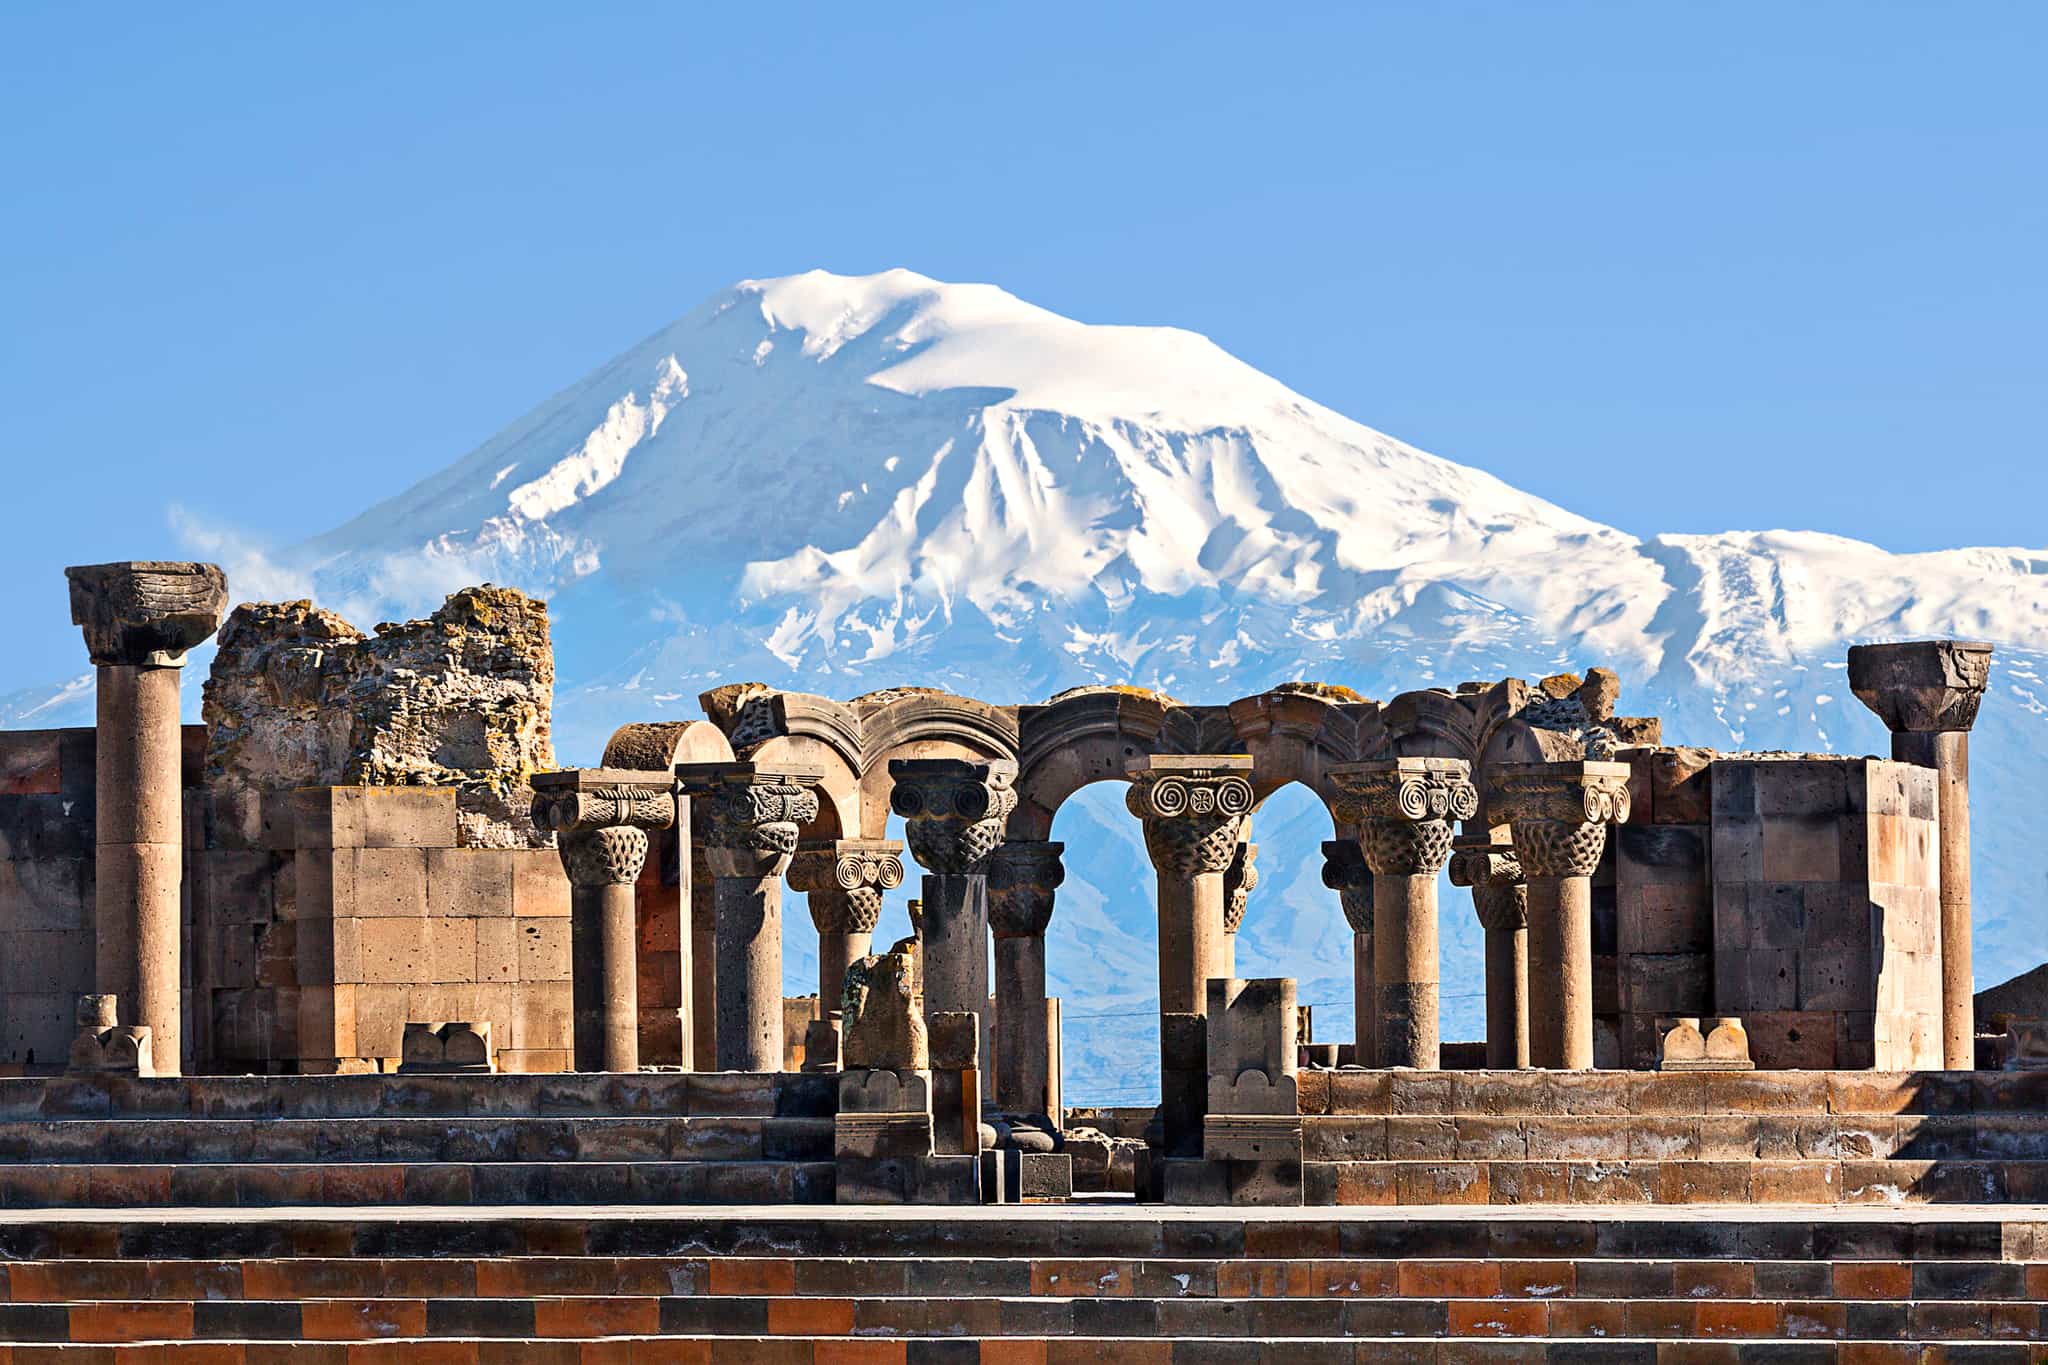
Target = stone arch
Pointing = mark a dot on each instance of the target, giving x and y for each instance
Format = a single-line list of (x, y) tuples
[(1296, 733), (1080, 737), (769, 726), (922, 723)]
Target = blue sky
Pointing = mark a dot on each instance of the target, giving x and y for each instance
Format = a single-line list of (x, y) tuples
[(1676, 267)]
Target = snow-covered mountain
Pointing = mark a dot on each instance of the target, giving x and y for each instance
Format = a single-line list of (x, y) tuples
[(840, 483)]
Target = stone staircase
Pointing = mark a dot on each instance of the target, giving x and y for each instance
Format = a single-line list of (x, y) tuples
[(253, 1141), (1096, 1283)]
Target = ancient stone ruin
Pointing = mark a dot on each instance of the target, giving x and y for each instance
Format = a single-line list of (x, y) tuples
[(357, 940)]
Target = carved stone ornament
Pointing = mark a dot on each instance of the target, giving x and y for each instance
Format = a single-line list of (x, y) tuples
[(1345, 872), (845, 881), (1403, 807), (1240, 879), (1193, 808), (1499, 895), (1921, 686), (1023, 874), (954, 809), (146, 614), (882, 1016), (748, 816), (1559, 812), (600, 817)]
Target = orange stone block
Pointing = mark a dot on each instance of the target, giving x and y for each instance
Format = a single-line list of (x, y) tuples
[(1008, 1352), (1449, 1279), (1246, 1280), (362, 1319), (1082, 1279), (596, 1317), (114, 1322), (810, 1317), (1746, 1320), (760, 1278), (878, 1353), (1873, 1280)]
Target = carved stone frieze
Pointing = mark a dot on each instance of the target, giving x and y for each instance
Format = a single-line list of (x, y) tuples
[(1499, 895), (1345, 872), (1921, 686), (1240, 879), (954, 809), (600, 818), (146, 613), (844, 882), (748, 816), (1404, 808), (1193, 807), (1023, 874), (1559, 812)]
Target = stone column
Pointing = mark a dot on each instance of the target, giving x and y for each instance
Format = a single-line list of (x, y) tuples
[(1194, 808), (1345, 872), (954, 811), (139, 619), (844, 881), (1559, 813), (747, 817), (1023, 874), (1927, 693), (701, 912), (1502, 902), (1405, 807), (1240, 879), (600, 818)]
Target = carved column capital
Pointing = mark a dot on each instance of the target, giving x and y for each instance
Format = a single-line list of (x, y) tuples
[(1499, 895), (954, 809), (1921, 686), (1345, 872), (747, 815), (145, 613), (844, 882), (1193, 807), (1404, 808), (1240, 879), (1559, 812), (1022, 876), (600, 818)]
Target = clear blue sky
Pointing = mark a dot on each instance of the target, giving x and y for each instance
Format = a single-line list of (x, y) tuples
[(1675, 266)]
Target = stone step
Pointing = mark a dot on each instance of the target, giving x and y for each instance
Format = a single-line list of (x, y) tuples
[(568, 1094), (108, 1322), (453, 1139), (1107, 1231), (1632, 1181), (1099, 1350), (1718, 1137), (497, 1183), (1555, 1280)]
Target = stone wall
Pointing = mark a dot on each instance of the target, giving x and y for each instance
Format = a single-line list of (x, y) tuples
[(1664, 932), (298, 697), (1827, 909), (46, 888)]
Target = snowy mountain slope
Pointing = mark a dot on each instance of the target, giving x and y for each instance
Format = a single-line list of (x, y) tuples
[(843, 483)]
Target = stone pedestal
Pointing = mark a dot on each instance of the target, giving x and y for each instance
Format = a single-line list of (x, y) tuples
[(103, 1046), (1193, 807), (1559, 813), (600, 818), (1345, 872), (1927, 693), (1404, 807), (1253, 1126), (954, 811), (747, 816), (1022, 878), (139, 620), (1502, 903), (458, 1048)]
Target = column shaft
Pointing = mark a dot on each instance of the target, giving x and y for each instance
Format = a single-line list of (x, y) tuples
[(1561, 972), (1190, 940), (1365, 999), (1405, 970), (1948, 753), (1023, 1045), (604, 977), (140, 855), (1507, 1004), (749, 956)]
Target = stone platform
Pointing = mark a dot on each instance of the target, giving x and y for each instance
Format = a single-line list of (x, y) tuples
[(1092, 1282)]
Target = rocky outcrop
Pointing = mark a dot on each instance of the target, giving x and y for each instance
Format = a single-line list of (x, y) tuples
[(298, 697)]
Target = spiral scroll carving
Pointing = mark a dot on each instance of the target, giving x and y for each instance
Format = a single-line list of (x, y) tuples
[(954, 811), (844, 882), (602, 830)]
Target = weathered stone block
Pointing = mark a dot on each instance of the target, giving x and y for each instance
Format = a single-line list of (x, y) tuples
[(451, 949), (543, 949), (45, 894), (497, 949), (374, 817), (394, 951), (540, 889), (446, 1048), (469, 883)]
